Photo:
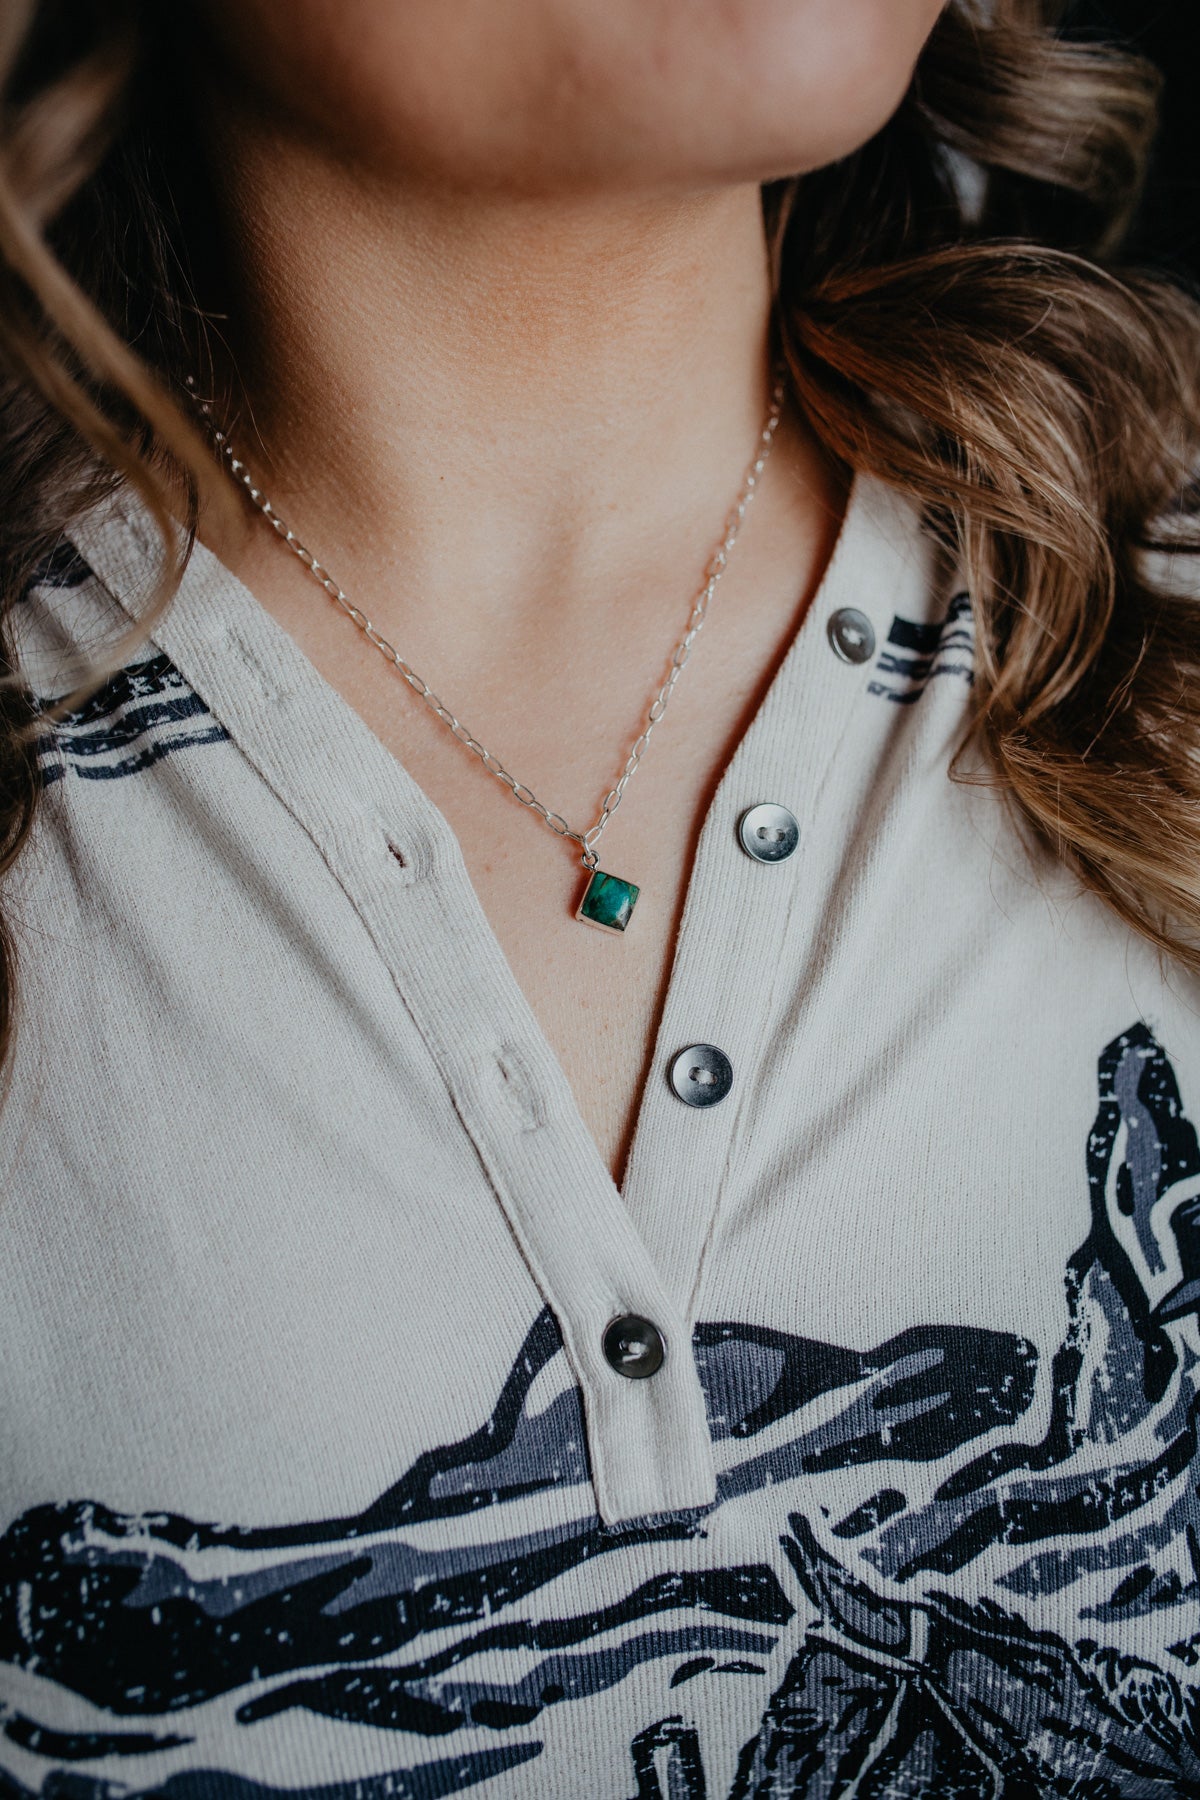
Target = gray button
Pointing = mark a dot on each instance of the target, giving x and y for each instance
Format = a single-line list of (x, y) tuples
[(768, 833), (702, 1075), (634, 1347), (852, 635)]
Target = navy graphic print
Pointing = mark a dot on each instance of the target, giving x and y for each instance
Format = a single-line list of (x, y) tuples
[(1004, 1600), (916, 653), (141, 714), (138, 716)]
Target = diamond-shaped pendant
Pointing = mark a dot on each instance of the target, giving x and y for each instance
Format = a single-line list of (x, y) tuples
[(607, 901)]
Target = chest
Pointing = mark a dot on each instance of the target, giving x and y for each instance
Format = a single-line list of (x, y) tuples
[(596, 993)]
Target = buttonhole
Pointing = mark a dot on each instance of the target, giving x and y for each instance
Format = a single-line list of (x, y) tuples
[(520, 1089), (397, 852), (262, 677)]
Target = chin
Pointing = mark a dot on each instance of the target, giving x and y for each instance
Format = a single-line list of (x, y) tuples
[(553, 95), (700, 94)]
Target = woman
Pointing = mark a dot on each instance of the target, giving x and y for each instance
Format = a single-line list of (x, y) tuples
[(744, 1348)]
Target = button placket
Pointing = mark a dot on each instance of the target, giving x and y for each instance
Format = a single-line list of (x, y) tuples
[(726, 979), (648, 1442)]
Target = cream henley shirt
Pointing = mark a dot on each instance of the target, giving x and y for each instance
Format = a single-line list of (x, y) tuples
[(315, 1478)]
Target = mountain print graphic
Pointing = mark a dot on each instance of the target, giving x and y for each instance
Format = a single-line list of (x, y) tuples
[(957, 1564)]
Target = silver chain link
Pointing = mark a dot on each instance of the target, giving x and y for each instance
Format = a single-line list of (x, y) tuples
[(587, 840)]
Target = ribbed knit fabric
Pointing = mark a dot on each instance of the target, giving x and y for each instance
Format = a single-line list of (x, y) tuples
[(314, 1478)]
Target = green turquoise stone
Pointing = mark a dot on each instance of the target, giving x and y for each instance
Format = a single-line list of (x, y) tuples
[(608, 901)]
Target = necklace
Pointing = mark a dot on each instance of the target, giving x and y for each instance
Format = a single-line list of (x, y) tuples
[(608, 900)]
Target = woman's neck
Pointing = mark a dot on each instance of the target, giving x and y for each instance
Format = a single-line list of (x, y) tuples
[(510, 394)]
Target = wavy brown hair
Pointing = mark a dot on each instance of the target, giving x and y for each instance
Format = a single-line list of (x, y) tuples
[(954, 317)]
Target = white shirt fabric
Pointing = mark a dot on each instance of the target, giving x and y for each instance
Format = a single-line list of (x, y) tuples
[(314, 1478)]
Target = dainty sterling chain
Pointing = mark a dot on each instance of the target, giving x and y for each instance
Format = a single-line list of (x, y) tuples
[(587, 840)]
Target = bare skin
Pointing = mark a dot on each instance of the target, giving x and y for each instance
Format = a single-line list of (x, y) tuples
[(505, 381)]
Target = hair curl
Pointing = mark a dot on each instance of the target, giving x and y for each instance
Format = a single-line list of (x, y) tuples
[(954, 318)]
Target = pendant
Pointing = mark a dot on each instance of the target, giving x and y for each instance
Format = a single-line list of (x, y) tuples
[(607, 901)]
